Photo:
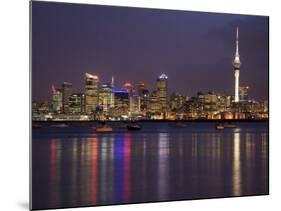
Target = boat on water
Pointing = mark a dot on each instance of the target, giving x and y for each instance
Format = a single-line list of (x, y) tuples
[(230, 125), (103, 129), (180, 125), (35, 126), (219, 126), (133, 126), (59, 125)]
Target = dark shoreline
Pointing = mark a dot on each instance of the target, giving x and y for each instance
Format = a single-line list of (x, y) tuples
[(117, 121)]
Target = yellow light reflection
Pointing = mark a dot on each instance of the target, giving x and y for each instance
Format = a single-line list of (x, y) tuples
[(236, 175)]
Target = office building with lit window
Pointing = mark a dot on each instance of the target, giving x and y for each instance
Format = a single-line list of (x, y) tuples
[(121, 98), (91, 93), (143, 94), (121, 103), (77, 103), (105, 96), (154, 105), (162, 92), (243, 93), (56, 100), (66, 92)]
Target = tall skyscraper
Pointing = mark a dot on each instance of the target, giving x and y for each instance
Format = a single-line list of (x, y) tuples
[(135, 102), (121, 98), (130, 88), (105, 96), (236, 64), (121, 103), (66, 92), (91, 92), (143, 94), (56, 100), (162, 92), (154, 105)]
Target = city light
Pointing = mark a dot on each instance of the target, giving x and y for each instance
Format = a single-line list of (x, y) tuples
[(103, 101), (88, 75), (163, 76)]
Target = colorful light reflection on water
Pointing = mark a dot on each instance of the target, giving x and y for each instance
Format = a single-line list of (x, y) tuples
[(77, 167)]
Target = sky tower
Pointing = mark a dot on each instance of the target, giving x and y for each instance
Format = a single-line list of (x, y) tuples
[(236, 64)]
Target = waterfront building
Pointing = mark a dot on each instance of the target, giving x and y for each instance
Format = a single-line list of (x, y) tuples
[(223, 103), (243, 93), (143, 94), (121, 103), (210, 101), (154, 105), (105, 96), (121, 98), (57, 100), (134, 101), (144, 100), (176, 101), (91, 92), (162, 92), (194, 107), (77, 103), (66, 92), (236, 64)]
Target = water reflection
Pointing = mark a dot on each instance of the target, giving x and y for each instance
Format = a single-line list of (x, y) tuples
[(163, 165), (55, 158), (237, 179), (94, 175), (124, 167), (74, 173), (127, 168)]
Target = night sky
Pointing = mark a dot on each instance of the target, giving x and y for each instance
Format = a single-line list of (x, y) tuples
[(194, 49)]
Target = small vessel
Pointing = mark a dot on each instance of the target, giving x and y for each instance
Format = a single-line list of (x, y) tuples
[(219, 126), (229, 125), (180, 125), (103, 129), (134, 126), (59, 125), (35, 126)]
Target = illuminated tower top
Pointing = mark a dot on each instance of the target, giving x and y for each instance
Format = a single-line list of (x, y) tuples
[(163, 77), (90, 76), (236, 63)]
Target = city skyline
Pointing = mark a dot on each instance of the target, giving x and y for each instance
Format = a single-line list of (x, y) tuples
[(136, 105), (104, 52)]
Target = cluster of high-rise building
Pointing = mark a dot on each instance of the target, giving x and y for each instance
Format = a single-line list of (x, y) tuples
[(104, 101)]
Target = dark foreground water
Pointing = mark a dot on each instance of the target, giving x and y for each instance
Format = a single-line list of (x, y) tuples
[(76, 167)]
